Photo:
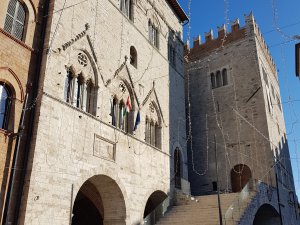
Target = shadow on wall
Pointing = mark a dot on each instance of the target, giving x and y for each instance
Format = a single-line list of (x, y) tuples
[(177, 121), (260, 199)]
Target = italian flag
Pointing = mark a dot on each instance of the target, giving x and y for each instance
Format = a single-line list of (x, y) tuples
[(127, 107)]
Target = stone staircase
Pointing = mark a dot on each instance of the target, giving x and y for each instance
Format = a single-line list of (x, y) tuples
[(201, 210)]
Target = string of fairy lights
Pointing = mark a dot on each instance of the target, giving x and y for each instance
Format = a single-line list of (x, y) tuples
[(238, 116), (255, 130)]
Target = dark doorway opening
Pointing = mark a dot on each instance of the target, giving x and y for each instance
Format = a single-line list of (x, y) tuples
[(99, 201), (240, 176), (267, 215), (85, 212)]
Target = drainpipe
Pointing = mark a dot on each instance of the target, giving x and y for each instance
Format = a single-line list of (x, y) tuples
[(12, 176), (19, 189)]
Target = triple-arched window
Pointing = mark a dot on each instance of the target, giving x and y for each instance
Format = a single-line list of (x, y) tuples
[(5, 105), (153, 129), (122, 114), (79, 92), (219, 78), (15, 19)]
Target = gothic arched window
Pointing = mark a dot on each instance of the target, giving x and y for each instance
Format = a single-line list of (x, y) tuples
[(5, 103), (120, 115), (114, 111), (147, 128), (79, 92), (126, 8), (153, 34), (153, 127), (69, 85), (15, 19)]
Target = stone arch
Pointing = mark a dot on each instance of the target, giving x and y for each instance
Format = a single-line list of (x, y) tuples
[(176, 145), (88, 70), (130, 91), (97, 201), (152, 203), (83, 84), (157, 111), (267, 215), (122, 90), (240, 176), (93, 65)]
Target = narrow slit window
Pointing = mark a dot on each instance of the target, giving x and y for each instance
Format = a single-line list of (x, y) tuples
[(213, 80), (219, 79), (224, 76)]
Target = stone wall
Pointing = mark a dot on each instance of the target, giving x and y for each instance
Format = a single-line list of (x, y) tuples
[(244, 116), (17, 70), (69, 145)]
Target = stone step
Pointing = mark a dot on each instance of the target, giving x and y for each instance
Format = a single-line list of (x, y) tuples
[(199, 210)]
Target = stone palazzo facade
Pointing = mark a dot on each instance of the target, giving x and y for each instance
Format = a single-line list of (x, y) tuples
[(107, 138)]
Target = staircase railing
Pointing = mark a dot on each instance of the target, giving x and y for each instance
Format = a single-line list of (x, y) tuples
[(237, 208), (159, 212)]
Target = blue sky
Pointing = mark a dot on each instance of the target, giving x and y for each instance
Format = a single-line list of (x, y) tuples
[(270, 15)]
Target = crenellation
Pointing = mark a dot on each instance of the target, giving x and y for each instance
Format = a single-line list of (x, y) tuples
[(235, 25), (209, 36), (197, 41), (187, 45), (221, 31)]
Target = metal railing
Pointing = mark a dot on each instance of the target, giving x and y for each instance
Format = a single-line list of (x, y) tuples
[(239, 205), (159, 212)]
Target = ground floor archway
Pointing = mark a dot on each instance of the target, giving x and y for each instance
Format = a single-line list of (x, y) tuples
[(99, 201), (267, 215), (154, 209), (240, 176)]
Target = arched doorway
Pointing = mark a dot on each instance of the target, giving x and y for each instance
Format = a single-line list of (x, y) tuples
[(177, 168), (267, 215), (153, 209), (99, 202), (240, 176)]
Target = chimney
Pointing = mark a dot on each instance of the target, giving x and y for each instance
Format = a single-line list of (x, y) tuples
[(197, 41), (235, 25), (209, 36), (221, 31)]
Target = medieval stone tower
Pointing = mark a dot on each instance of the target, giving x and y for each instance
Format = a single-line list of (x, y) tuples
[(233, 92), (105, 141)]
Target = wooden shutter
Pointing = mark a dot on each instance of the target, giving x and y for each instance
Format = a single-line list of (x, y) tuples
[(15, 19)]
